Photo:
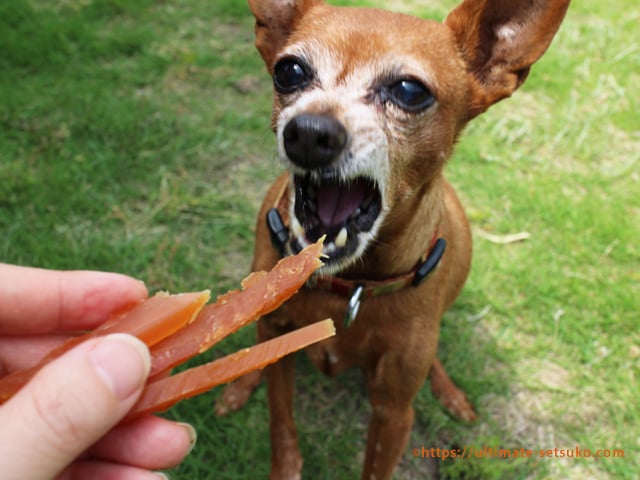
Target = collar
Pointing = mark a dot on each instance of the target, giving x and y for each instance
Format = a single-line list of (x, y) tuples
[(372, 288), (348, 288)]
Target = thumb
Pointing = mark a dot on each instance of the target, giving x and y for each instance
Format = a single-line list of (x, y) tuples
[(70, 404)]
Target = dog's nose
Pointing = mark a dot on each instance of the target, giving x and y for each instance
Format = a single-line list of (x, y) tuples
[(313, 141)]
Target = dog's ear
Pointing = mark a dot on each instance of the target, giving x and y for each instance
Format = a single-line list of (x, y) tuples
[(499, 40), (275, 20)]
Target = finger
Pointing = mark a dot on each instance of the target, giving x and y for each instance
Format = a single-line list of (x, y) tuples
[(34, 300), (150, 442), (70, 404), (107, 471), (21, 351)]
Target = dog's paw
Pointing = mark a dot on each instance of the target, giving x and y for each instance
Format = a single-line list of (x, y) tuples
[(458, 405), (451, 397), (287, 465), (234, 396)]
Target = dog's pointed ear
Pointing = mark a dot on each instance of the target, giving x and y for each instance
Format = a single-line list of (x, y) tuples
[(499, 40), (275, 20)]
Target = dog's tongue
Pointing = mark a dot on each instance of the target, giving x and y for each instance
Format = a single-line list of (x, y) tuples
[(336, 202)]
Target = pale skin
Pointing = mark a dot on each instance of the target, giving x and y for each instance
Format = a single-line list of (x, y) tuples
[(64, 423)]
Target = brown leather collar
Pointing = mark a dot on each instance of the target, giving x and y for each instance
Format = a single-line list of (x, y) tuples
[(373, 288)]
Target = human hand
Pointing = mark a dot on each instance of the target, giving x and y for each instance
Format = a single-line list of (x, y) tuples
[(64, 423)]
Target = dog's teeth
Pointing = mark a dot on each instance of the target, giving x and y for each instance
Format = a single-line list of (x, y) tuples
[(341, 238), (296, 228)]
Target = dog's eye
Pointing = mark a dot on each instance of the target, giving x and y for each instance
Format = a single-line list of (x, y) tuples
[(290, 74), (411, 95)]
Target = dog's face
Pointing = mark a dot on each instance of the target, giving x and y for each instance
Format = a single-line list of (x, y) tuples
[(368, 104), (366, 114)]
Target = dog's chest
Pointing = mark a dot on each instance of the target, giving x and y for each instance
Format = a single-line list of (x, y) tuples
[(377, 324)]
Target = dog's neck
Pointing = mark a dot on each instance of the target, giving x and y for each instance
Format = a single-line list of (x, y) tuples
[(404, 237)]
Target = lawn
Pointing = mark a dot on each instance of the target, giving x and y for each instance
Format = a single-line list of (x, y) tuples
[(134, 137)]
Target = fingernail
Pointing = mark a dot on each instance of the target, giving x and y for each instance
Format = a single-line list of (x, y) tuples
[(193, 435), (162, 476), (123, 363)]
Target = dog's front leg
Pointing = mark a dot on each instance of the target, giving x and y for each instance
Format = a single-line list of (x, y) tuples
[(286, 461), (388, 435), (392, 386)]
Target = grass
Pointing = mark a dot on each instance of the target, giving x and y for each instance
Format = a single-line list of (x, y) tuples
[(134, 137)]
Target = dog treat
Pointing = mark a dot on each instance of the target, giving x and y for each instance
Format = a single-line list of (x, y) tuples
[(150, 320), (165, 392), (263, 292), (179, 327)]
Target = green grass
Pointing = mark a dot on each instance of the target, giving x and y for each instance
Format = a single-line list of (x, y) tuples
[(134, 137)]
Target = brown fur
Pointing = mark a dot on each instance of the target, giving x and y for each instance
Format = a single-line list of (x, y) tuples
[(480, 55)]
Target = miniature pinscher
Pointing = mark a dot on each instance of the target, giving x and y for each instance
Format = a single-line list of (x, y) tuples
[(368, 106)]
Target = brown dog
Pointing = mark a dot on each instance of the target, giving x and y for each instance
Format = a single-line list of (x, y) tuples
[(368, 106)]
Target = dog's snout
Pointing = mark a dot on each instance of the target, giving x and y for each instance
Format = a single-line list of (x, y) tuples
[(314, 141)]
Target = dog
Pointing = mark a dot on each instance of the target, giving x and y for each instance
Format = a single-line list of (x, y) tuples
[(368, 106)]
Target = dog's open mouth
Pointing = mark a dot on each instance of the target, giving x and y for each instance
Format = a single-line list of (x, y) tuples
[(339, 209)]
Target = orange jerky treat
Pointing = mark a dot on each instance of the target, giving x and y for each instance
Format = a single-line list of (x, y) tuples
[(263, 293), (164, 393), (175, 332), (150, 320), (158, 317)]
